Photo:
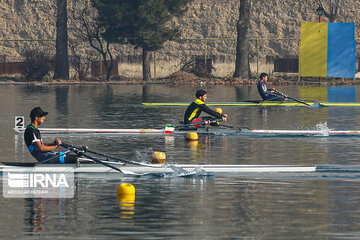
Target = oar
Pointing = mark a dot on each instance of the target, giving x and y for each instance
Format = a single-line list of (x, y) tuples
[(126, 172), (234, 127), (85, 149), (296, 100), (81, 152)]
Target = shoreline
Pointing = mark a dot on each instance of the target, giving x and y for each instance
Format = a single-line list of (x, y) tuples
[(202, 82), (188, 79)]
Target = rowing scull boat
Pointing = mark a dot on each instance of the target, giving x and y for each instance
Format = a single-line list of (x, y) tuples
[(171, 130), (183, 170), (204, 130), (157, 168), (75, 131), (260, 103)]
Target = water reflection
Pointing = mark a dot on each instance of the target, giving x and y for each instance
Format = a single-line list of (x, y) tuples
[(197, 149), (42, 212), (61, 103), (341, 93), (37, 214), (127, 206)]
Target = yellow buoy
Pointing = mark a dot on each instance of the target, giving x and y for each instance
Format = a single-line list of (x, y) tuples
[(192, 136), (126, 189), (158, 157), (218, 110)]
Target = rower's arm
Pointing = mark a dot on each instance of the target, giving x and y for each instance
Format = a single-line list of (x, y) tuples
[(209, 111), (46, 147)]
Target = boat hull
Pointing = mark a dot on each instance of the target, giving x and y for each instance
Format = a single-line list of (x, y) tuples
[(263, 104), (206, 130), (166, 169), (80, 131)]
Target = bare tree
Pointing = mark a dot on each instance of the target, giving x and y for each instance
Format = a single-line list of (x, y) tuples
[(242, 66), (331, 9), (86, 15), (144, 24), (62, 57), (80, 62)]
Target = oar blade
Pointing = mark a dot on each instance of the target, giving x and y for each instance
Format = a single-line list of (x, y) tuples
[(127, 172), (316, 104)]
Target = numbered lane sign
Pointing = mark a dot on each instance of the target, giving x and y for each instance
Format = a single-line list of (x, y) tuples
[(19, 122)]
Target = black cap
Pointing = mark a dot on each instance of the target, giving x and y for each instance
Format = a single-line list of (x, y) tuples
[(37, 112), (263, 75)]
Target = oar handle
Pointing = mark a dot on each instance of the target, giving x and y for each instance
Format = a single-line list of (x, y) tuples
[(67, 145), (280, 93)]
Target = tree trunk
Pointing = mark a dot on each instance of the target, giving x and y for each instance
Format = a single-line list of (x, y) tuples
[(146, 65), (62, 57), (242, 67), (107, 66)]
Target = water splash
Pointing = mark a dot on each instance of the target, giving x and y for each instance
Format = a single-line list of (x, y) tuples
[(316, 105), (197, 172), (180, 172), (177, 171), (323, 128), (144, 156)]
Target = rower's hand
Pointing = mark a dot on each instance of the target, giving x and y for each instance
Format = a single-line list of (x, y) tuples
[(281, 94), (57, 142), (224, 117)]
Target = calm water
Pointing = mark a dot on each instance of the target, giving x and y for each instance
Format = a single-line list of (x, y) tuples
[(254, 206)]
